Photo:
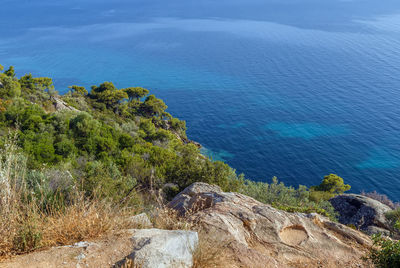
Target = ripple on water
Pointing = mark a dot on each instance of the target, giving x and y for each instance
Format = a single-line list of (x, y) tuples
[(220, 155), (306, 130), (232, 126), (381, 158)]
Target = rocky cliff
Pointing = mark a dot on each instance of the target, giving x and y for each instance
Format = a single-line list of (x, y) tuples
[(258, 235)]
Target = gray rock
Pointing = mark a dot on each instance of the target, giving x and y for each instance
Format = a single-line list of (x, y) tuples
[(181, 201), (155, 248), (141, 221), (200, 187), (363, 212), (80, 257), (376, 230), (82, 244), (60, 105)]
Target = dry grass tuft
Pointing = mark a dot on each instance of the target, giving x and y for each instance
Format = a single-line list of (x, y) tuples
[(168, 219), (129, 263), (84, 219), (209, 252)]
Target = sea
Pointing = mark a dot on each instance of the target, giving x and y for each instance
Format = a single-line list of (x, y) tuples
[(296, 89)]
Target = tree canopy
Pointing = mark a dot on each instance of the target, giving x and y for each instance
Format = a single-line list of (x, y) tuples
[(108, 94), (136, 92), (332, 183), (10, 72), (153, 106), (32, 84), (79, 90)]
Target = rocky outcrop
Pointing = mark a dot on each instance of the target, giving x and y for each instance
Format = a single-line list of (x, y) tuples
[(166, 124), (363, 212), (253, 234), (183, 202), (60, 105), (155, 248)]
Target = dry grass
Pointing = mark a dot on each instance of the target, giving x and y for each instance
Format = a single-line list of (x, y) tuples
[(168, 219), (26, 228), (129, 263), (209, 252), (13, 210), (84, 219)]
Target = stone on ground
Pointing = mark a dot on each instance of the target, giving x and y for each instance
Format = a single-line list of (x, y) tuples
[(155, 248)]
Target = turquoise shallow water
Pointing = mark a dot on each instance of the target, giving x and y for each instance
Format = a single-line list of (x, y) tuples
[(293, 89)]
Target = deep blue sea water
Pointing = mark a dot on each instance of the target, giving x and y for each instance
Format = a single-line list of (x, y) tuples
[(290, 88)]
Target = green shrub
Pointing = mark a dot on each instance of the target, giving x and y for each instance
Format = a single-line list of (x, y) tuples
[(318, 196), (352, 226), (394, 219), (288, 198), (385, 253), (11, 88), (332, 183), (28, 236)]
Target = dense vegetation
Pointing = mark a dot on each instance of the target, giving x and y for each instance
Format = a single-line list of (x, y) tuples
[(118, 145), (385, 253), (116, 140)]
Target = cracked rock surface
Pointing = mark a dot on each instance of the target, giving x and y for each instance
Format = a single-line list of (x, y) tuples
[(257, 235)]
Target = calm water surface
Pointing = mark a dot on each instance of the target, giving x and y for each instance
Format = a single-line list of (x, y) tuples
[(293, 89)]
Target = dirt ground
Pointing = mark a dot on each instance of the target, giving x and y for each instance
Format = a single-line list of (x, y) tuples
[(104, 252)]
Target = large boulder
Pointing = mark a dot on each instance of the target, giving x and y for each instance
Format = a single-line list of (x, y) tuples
[(363, 212), (155, 248), (253, 234)]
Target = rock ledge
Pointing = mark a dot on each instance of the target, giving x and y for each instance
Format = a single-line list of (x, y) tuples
[(257, 235)]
